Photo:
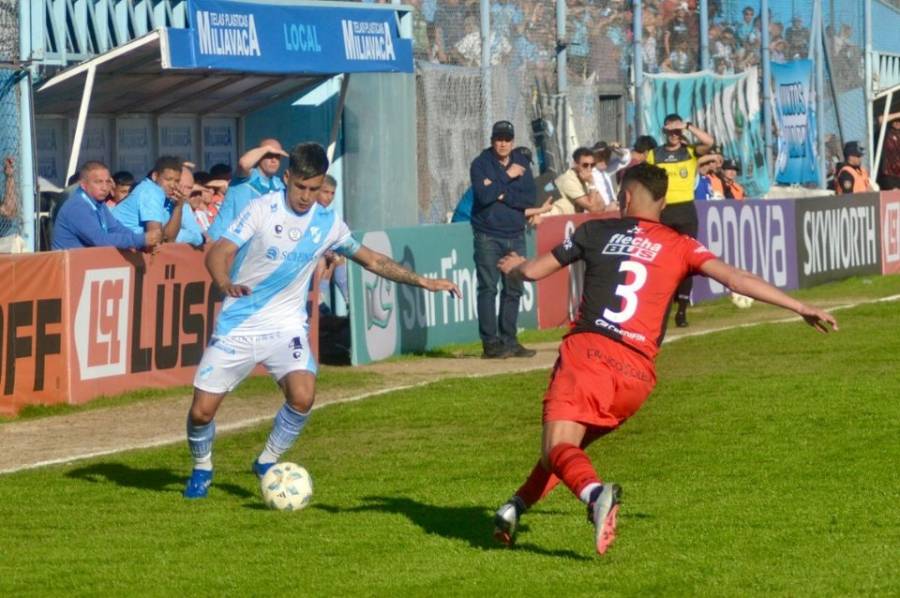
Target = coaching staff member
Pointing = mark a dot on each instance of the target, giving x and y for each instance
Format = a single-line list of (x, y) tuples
[(503, 189), (679, 159)]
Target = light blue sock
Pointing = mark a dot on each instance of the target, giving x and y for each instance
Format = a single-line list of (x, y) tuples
[(288, 424), (200, 440)]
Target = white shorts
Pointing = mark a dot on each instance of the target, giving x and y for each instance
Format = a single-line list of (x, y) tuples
[(229, 359)]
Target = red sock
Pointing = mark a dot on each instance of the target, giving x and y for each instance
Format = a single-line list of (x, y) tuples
[(538, 485), (573, 467)]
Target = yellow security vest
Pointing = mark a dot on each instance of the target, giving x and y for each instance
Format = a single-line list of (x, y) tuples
[(681, 166)]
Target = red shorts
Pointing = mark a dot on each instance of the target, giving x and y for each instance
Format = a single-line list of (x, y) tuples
[(597, 382)]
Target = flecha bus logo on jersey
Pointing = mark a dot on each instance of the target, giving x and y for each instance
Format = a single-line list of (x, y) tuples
[(632, 245)]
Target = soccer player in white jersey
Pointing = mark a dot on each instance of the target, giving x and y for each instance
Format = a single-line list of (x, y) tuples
[(275, 244)]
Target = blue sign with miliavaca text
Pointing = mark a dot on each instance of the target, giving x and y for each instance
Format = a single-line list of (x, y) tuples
[(283, 39)]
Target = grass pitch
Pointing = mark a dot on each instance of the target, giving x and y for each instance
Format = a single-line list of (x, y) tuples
[(764, 463)]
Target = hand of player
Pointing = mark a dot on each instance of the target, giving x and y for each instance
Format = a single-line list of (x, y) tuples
[(271, 149), (510, 262), (235, 290), (442, 284), (152, 238), (818, 318), (515, 171)]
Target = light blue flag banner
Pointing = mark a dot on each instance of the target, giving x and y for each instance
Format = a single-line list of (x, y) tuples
[(797, 162), (725, 106)]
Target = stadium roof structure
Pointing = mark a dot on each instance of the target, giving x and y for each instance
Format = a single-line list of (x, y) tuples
[(236, 57)]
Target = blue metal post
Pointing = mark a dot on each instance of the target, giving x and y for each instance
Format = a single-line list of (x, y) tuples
[(767, 87), (25, 166), (562, 41), (820, 89), (486, 84), (869, 85), (638, 65), (703, 7)]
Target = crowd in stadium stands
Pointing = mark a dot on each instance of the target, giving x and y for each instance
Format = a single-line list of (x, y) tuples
[(599, 37)]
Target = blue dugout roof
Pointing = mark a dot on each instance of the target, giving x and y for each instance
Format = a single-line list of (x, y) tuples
[(236, 57)]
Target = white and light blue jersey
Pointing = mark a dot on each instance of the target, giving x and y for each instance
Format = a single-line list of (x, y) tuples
[(279, 249)]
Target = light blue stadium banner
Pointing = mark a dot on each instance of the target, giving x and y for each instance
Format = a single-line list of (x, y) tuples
[(795, 114), (285, 39), (726, 106)]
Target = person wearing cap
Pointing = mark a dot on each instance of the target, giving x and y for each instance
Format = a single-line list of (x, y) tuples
[(678, 158), (733, 189), (852, 177), (503, 189)]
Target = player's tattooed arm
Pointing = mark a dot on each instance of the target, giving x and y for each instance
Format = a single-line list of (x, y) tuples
[(383, 266)]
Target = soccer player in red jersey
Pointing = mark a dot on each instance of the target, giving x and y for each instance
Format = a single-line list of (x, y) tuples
[(605, 369)]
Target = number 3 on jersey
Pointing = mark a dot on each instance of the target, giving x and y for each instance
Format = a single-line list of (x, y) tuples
[(628, 292)]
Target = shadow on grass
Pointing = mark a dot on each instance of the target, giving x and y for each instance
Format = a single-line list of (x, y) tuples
[(155, 480), (469, 524)]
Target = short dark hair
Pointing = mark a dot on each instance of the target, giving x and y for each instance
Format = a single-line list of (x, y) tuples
[(525, 152), (581, 152), (123, 177), (649, 176), (602, 152), (671, 118), (220, 171), (167, 163), (308, 160), (201, 177), (331, 181), (644, 144), (89, 166)]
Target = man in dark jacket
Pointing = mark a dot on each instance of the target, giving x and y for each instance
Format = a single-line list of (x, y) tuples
[(503, 189)]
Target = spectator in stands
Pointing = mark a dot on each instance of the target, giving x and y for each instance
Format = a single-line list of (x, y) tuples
[(335, 264), (852, 177), (503, 189), (680, 60), (678, 157), (85, 221), (10, 222), (144, 209), (889, 175), (797, 37), (722, 50), (746, 32), (256, 175), (732, 189), (678, 30), (448, 27), (123, 182), (467, 51), (576, 186), (650, 48), (191, 231)]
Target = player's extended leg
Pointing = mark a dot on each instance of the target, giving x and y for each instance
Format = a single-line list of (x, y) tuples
[(540, 483), (562, 454), (201, 432), (299, 389)]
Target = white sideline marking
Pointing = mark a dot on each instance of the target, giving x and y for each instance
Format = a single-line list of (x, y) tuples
[(246, 423)]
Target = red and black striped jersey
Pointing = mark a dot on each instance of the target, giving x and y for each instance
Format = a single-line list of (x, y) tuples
[(632, 268)]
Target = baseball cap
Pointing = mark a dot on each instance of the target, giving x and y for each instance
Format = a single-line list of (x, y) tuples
[(503, 128), (730, 165), (853, 148)]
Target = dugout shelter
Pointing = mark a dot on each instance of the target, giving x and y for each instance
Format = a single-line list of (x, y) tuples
[(331, 72)]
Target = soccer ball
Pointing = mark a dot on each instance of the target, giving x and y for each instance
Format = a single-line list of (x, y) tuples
[(286, 487), (741, 301)]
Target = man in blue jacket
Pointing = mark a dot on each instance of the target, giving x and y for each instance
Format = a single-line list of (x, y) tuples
[(503, 189), (85, 221)]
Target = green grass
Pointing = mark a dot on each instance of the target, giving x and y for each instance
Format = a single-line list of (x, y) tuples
[(329, 378), (765, 463)]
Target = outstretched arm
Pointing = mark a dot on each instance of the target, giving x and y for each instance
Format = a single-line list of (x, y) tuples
[(746, 283), (383, 266), (535, 269), (251, 158)]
